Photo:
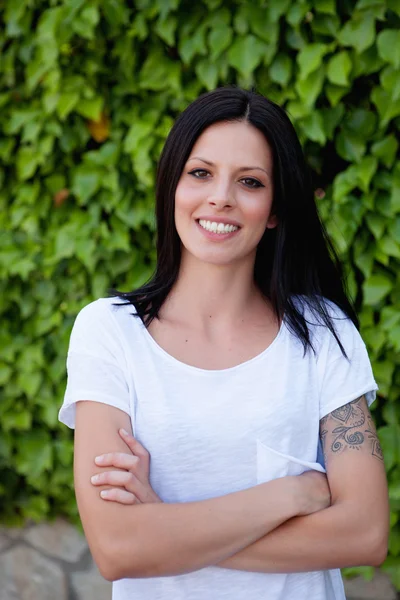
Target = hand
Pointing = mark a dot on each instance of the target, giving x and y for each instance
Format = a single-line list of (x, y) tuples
[(315, 494), (131, 485)]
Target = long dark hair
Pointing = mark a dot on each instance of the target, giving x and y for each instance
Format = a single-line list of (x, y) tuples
[(294, 259)]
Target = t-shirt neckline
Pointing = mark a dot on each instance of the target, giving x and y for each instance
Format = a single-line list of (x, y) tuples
[(186, 366)]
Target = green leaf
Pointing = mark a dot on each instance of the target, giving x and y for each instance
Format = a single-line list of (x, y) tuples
[(326, 6), (331, 118), (335, 93), (85, 183), (207, 72), (165, 29), (391, 82), (339, 68), (90, 108), (310, 88), (388, 42), (376, 224), (387, 108), (159, 73), (29, 383), (350, 146), (5, 373), (364, 257), (34, 453), (27, 162), (138, 132), (376, 288), (365, 171), (362, 122), (189, 46), (375, 7), (327, 25), (65, 241), (297, 12), (389, 246), (277, 8), (66, 103), (394, 230), (310, 58), (367, 62), (386, 150), (85, 24), (313, 127), (219, 39), (281, 69), (394, 336), (389, 437), (359, 32), (246, 53)]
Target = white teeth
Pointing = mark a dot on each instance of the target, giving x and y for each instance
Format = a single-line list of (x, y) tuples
[(217, 227)]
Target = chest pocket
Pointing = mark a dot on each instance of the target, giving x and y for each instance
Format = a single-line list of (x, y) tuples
[(272, 464)]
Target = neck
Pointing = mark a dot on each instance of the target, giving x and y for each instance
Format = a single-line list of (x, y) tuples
[(223, 293)]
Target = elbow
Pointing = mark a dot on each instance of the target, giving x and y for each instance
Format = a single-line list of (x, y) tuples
[(107, 565), (113, 565), (377, 548), (107, 573), (379, 553), (108, 558)]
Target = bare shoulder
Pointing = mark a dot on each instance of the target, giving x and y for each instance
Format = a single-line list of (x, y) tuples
[(350, 428)]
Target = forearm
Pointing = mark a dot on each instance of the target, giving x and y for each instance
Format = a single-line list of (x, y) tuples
[(327, 539), (167, 539)]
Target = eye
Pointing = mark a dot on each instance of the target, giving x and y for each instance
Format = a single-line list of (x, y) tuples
[(199, 173), (250, 182)]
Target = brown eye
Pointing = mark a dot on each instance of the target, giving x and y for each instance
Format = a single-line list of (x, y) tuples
[(199, 173), (252, 183)]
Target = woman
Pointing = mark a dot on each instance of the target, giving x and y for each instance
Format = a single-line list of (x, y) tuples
[(229, 366)]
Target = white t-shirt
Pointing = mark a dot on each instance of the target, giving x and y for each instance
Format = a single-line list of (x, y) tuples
[(212, 432)]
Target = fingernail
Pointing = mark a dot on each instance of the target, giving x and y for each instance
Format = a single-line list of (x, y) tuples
[(99, 459), (94, 478), (104, 494), (124, 432)]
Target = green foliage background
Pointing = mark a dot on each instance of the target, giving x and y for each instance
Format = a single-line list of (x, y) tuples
[(88, 92)]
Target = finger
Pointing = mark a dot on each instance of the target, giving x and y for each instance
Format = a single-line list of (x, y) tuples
[(118, 478), (117, 459), (134, 444), (120, 496)]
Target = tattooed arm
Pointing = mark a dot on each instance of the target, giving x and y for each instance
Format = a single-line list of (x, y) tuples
[(349, 427), (354, 530)]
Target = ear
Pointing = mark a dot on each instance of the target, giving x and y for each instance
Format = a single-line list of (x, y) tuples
[(272, 222)]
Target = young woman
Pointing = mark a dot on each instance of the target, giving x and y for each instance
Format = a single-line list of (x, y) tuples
[(228, 367)]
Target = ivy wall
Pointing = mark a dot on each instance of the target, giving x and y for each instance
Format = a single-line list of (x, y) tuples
[(88, 92)]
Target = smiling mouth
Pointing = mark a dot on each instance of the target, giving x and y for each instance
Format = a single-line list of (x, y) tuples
[(215, 227)]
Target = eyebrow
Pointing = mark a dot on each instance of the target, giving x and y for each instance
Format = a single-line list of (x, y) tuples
[(241, 168)]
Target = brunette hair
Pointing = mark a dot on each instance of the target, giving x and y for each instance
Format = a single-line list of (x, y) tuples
[(294, 261)]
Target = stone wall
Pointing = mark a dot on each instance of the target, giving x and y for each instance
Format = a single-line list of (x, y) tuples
[(53, 562)]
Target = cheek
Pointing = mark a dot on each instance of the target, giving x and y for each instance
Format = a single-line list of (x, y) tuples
[(186, 197), (259, 211)]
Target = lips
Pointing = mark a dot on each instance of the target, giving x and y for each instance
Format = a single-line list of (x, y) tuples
[(210, 231)]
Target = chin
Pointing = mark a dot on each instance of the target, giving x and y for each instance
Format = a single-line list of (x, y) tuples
[(211, 257)]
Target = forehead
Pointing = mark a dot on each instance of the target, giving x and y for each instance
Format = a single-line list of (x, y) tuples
[(236, 142)]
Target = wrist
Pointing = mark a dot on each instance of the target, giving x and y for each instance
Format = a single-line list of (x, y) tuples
[(288, 496)]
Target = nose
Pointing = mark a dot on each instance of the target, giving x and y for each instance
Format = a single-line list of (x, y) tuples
[(221, 197)]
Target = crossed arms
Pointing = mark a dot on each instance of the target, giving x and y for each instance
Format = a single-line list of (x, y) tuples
[(266, 528)]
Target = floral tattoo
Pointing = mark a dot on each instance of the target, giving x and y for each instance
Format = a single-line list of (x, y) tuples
[(350, 426)]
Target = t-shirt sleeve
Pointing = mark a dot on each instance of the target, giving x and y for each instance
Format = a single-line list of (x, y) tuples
[(344, 379), (96, 363)]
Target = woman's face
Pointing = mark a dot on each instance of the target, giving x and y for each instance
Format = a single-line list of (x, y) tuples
[(224, 196)]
